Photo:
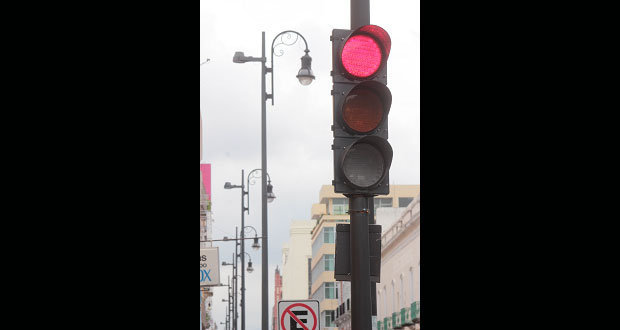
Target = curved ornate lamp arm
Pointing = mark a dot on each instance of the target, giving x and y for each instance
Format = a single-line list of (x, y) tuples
[(252, 175), (247, 254), (285, 43), (250, 227)]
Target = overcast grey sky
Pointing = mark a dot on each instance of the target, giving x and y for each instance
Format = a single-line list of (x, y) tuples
[(299, 158)]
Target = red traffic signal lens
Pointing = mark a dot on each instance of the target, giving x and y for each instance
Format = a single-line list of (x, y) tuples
[(362, 110), (361, 56)]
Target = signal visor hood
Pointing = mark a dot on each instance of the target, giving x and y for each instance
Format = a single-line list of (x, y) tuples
[(379, 34)]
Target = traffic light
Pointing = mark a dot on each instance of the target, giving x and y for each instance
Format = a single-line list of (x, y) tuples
[(362, 154)]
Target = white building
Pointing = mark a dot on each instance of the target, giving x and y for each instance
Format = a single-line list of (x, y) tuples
[(296, 256), (398, 294)]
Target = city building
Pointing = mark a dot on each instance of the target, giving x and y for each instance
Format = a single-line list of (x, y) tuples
[(332, 209), (296, 256), (277, 297), (206, 229), (343, 312), (398, 294)]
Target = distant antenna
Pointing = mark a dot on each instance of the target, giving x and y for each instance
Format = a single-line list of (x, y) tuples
[(207, 60)]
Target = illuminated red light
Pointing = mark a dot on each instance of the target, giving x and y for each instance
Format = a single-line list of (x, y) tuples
[(361, 56)]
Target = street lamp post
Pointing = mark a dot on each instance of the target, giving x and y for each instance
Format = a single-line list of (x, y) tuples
[(305, 77), (236, 270), (246, 192), (229, 307)]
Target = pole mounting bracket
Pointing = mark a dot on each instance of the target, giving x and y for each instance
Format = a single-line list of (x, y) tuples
[(358, 211)]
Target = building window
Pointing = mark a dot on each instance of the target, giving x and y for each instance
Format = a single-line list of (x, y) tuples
[(316, 245), (330, 290), (328, 317), (417, 272), (379, 302), (309, 277), (411, 283), (402, 290), (404, 201), (382, 202), (385, 298), (393, 298), (340, 206), (329, 262), (329, 235)]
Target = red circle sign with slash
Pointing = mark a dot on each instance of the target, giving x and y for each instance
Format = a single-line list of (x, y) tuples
[(292, 315)]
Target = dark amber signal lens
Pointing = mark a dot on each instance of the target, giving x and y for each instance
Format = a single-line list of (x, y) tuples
[(362, 110)]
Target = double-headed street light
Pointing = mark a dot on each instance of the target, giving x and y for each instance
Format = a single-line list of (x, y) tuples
[(305, 77), (305, 74)]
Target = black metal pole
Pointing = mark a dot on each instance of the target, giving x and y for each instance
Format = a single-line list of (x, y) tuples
[(373, 285), (242, 254), (229, 306), (231, 310), (362, 308), (360, 13), (236, 285), (361, 318), (265, 252), (233, 289)]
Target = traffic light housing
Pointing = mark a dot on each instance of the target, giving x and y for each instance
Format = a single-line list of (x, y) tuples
[(362, 101)]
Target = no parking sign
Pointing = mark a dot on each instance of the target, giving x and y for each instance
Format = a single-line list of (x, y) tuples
[(298, 314)]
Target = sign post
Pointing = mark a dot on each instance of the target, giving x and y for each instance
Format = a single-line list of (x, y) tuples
[(299, 314), (209, 266)]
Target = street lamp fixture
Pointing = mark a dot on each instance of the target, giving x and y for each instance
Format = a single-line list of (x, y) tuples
[(305, 74), (270, 195), (227, 185), (239, 57), (250, 269), (256, 246)]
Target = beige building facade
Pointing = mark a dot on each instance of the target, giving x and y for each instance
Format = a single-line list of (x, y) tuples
[(332, 209), (296, 255)]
